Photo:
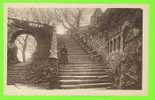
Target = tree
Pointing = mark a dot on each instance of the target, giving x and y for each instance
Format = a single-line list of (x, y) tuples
[(26, 45), (41, 15), (70, 18), (22, 41)]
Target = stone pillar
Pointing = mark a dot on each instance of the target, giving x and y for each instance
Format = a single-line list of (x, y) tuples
[(53, 60), (126, 23), (109, 46), (121, 42), (112, 45), (53, 49)]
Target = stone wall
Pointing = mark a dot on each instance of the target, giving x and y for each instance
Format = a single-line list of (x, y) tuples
[(43, 36), (43, 68)]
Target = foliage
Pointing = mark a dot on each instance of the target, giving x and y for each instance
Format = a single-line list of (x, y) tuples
[(112, 18), (42, 72)]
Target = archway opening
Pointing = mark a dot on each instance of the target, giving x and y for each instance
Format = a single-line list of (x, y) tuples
[(26, 45)]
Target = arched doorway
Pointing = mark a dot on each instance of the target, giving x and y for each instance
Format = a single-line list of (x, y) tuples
[(26, 46)]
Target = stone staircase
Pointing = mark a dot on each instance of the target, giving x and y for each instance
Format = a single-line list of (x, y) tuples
[(16, 73), (81, 71)]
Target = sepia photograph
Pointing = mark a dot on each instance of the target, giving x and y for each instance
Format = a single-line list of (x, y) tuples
[(75, 49)]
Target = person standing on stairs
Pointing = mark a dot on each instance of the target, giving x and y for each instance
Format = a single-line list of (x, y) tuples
[(64, 55)]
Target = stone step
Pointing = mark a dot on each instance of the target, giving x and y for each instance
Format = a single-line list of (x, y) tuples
[(16, 68), (69, 77), (21, 64), (72, 44), (15, 74), (84, 60), (12, 82), (79, 61), (82, 70), (79, 56), (82, 73), (14, 71), (80, 67), (83, 64), (69, 43), (16, 77), (88, 85), (16, 80), (83, 81), (76, 51)]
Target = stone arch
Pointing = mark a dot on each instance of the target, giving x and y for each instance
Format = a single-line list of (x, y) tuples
[(43, 38), (20, 32)]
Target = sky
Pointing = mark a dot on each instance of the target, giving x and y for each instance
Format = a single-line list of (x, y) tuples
[(61, 30)]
